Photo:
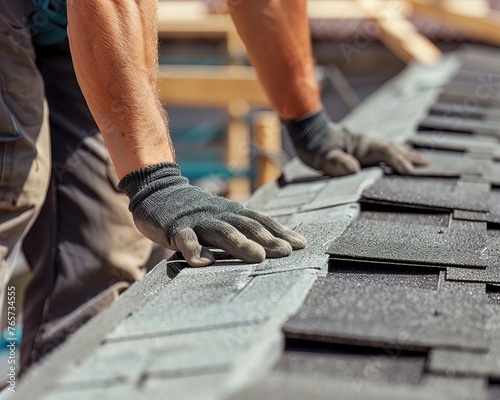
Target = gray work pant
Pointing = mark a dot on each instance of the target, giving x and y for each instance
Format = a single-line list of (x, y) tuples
[(58, 193)]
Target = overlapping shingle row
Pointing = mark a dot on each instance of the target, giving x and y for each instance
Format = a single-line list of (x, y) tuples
[(396, 296)]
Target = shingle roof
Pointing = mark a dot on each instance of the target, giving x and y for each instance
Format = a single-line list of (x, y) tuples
[(395, 297)]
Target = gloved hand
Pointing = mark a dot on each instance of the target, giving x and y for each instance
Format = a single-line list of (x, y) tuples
[(336, 151), (181, 217)]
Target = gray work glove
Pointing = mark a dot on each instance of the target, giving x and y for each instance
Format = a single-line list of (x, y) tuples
[(336, 151), (181, 217)]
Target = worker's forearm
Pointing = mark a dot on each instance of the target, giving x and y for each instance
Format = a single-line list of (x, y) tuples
[(114, 49), (276, 34)]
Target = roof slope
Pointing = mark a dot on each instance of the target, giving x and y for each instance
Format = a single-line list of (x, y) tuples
[(397, 295)]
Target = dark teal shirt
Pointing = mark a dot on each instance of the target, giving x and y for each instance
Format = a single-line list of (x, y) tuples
[(49, 21)]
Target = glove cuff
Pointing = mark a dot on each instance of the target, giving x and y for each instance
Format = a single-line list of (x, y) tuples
[(142, 182), (307, 124)]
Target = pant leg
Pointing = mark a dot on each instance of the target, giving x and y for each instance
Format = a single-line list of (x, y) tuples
[(24, 135), (92, 250)]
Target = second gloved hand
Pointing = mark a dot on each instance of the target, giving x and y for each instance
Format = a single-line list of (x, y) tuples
[(336, 151), (181, 217)]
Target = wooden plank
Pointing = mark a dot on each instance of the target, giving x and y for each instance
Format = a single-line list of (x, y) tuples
[(484, 27), (345, 9), (476, 8), (183, 9), (237, 150), (334, 9), (399, 35), (267, 137), (209, 85), (194, 20)]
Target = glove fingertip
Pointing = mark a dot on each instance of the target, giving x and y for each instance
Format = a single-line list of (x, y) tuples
[(204, 259), (419, 159), (252, 252), (278, 248), (297, 241), (339, 163)]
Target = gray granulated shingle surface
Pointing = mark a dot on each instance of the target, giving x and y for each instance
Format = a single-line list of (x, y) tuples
[(291, 190), (354, 364), (492, 173), (460, 388), (455, 142), (381, 273), (400, 239), (489, 275), (471, 216), (376, 315), (157, 320), (438, 220), (454, 362), (262, 195), (434, 193), (280, 386), (493, 292), (164, 316), (296, 198), (343, 190), (282, 212), (296, 261), (118, 391), (288, 202), (208, 286), (450, 164), (469, 287), (494, 215), (297, 171), (313, 256), (324, 216), (186, 354), (202, 387), (481, 128), (285, 292)]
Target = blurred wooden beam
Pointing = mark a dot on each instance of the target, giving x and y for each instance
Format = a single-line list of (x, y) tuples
[(267, 139), (484, 27), (346, 9), (237, 150), (332, 9), (400, 35), (476, 8), (210, 85), (193, 20)]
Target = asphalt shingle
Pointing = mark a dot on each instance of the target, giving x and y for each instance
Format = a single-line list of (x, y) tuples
[(401, 239), (451, 164), (280, 386), (313, 256), (370, 272), (456, 142), (433, 193), (352, 363), (453, 362), (376, 315), (231, 310)]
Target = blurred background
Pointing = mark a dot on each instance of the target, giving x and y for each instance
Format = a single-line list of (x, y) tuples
[(226, 139)]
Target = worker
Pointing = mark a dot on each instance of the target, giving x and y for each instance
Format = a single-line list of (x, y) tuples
[(101, 72)]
